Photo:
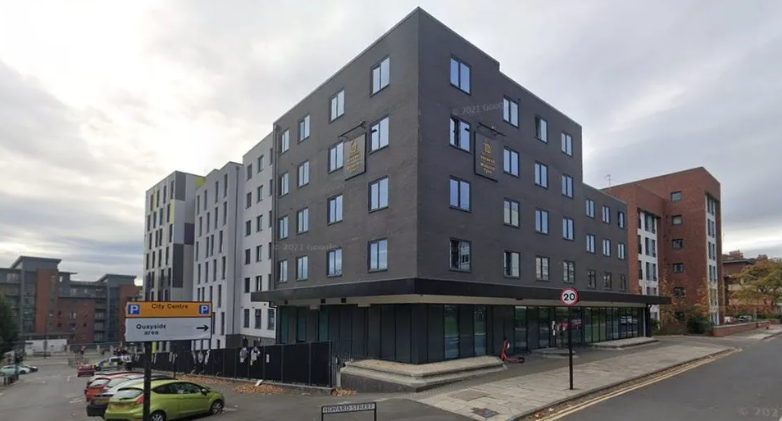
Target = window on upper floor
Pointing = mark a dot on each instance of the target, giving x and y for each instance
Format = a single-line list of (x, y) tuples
[(676, 220), (304, 174), (621, 219), (259, 194), (608, 281), (606, 214), (336, 157), (590, 243), (460, 194), (567, 186), (541, 175), (511, 264), (460, 75), (541, 268), (378, 194), (568, 272), (460, 134), (677, 243), (302, 221), (285, 141), (541, 221), (335, 209), (283, 184), (510, 162), (568, 228), (606, 247), (249, 171), (591, 278), (302, 268), (460, 255), (541, 129), (510, 112), (336, 106), (621, 251), (381, 75), (248, 228), (590, 208), (676, 196), (378, 255), (259, 164), (248, 202), (567, 144), (678, 268), (283, 228), (622, 283), (304, 128), (379, 134), (511, 213), (334, 262)]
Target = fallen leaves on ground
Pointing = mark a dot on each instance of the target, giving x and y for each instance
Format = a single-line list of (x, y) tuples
[(204, 380), (264, 389), (343, 392)]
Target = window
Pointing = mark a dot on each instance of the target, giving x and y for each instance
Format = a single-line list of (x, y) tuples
[(248, 202), (283, 184), (378, 255), (334, 262), (259, 164), (511, 216), (607, 247), (510, 162), (567, 144), (378, 194), (460, 255), (622, 283), (270, 319), (678, 292), (285, 141), (676, 196), (259, 194), (460, 134), (335, 209), (568, 272), (591, 278), (303, 221), (246, 318), (259, 223), (301, 268), (246, 258), (381, 75), (541, 175), (379, 133), (257, 318), (510, 112), (567, 186), (677, 244), (541, 129), (246, 285), (304, 174), (606, 214), (678, 268), (336, 157), (620, 217), (607, 280), (249, 171), (304, 128), (590, 243), (460, 75), (259, 283), (541, 221), (590, 208), (248, 228), (283, 227), (460, 194), (541, 268), (567, 228), (621, 251), (337, 106), (511, 264)]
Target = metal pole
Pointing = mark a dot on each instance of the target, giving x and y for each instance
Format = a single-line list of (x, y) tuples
[(570, 343), (147, 378)]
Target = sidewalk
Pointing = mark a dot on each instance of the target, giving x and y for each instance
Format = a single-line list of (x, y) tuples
[(522, 395)]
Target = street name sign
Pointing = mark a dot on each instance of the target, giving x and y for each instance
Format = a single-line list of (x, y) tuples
[(151, 321)]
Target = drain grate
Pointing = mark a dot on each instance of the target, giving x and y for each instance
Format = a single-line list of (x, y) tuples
[(484, 412)]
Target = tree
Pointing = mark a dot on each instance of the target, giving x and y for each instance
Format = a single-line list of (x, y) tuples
[(760, 285), (690, 305), (9, 331)]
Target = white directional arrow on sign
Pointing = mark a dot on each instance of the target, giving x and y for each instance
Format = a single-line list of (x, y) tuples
[(167, 329)]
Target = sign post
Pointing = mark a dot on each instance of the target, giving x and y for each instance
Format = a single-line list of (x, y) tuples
[(569, 297), (163, 321)]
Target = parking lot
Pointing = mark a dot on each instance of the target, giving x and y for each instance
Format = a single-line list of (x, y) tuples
[(56, 394)]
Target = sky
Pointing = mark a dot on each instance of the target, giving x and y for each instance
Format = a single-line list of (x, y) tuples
[(101, 99)]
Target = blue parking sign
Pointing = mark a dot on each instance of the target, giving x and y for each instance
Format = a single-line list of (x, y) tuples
[(203, 309), (134, 309)]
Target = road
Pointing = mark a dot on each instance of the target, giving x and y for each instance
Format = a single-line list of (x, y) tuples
[(743, 386), (56, 394)]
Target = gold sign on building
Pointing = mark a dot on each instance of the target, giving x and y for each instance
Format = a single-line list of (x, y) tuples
[(486, 151), (355, 156)]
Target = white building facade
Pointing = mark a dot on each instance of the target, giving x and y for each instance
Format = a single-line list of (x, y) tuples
[(712, 254), (648, 272)]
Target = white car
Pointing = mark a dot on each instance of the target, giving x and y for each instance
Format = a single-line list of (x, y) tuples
[(22, 369)]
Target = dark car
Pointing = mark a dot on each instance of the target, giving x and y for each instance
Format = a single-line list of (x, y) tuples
[(98, 404)]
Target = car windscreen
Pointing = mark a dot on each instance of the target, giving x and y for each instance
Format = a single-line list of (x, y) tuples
[(118, 381), (127, 393), (99, 382)]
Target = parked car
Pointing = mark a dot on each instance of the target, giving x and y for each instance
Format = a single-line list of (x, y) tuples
[(111, 363), (745, 319), (169, 400), (32, 368), (98, 385), (7, 371), (22, 369), (99, 403)]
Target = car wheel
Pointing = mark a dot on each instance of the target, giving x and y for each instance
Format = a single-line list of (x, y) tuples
[(216, 408), (157, 416)]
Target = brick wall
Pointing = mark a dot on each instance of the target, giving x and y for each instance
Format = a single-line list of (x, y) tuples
[(726, 330)]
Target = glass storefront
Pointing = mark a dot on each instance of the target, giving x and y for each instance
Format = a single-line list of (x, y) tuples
[(479, 324), (451, 322)]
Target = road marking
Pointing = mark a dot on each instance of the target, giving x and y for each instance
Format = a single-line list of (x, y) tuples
[(68, 379), (75, 401), (599, 399)]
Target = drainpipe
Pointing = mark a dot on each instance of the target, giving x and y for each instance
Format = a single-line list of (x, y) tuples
[(237, 238)]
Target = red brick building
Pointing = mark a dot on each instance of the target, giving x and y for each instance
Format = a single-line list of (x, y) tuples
[(732, 264), (676, 222)]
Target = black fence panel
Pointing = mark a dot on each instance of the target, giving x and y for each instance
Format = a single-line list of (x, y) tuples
[(272, 360), (320, 364), (296, 364)]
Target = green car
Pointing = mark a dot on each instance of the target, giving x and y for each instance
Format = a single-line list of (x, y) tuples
[(169, 400)]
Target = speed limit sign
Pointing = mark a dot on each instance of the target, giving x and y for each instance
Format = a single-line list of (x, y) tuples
[(569, 296)]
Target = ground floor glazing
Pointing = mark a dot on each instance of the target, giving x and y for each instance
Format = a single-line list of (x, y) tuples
[(425, 333)]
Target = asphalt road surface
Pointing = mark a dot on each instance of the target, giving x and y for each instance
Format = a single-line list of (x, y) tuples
[(56, 394), (742, 386)]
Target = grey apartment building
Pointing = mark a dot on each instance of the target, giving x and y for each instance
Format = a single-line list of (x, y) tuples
[(428, 206)]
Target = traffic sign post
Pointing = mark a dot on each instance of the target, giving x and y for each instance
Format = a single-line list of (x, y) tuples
[(569, 297), (153, 321)]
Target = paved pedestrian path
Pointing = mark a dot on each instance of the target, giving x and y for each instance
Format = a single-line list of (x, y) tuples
[(506, 399)]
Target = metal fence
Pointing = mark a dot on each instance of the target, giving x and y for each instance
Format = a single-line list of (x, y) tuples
[(305, 364)]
